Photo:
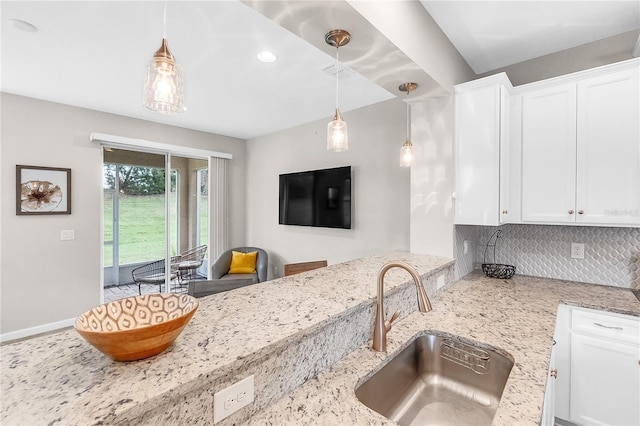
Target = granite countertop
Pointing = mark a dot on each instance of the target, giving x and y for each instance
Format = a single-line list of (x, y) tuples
[(61, 379), (516, 315), (286, 331)]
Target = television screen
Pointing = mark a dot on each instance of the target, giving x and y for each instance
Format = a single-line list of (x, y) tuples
[(316, 198)]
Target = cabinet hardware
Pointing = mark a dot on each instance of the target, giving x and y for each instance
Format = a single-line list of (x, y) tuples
[(504, 212), (554, 373), (580, 211), (570, 211), (608, 326)]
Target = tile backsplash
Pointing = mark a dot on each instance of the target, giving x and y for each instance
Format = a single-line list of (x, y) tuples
[(611, 255)]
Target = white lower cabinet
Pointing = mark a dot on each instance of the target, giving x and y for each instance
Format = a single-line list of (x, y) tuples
[(548, 409), (599, 363), (605, 382)]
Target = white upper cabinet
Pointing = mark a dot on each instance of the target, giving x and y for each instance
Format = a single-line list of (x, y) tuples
[(608, 148), (549, 154), (559, 151), (581, 150), (480, 151)]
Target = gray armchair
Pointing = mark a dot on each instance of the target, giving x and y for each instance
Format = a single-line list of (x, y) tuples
[(222, 281), (220, 268)]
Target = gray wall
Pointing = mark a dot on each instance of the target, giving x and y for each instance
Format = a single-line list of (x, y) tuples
[(380, 191), (44, 280), (602, 52)]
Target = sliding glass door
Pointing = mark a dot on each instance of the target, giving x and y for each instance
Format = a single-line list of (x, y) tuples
[(149, 219)]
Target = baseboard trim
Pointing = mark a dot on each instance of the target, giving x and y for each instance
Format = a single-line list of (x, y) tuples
[(34, 331), (562, 422)]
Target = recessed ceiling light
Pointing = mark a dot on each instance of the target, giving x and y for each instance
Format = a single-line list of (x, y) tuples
[(267, 56), (23, 25)]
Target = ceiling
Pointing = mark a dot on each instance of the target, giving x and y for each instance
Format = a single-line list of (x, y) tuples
[(494, 34), (93, 54)]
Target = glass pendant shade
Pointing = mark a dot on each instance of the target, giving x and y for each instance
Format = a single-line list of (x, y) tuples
[(337, 137), (163, 86), (407, 159)]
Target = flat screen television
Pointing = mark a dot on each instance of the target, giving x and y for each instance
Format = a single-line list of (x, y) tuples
[(316, 198)]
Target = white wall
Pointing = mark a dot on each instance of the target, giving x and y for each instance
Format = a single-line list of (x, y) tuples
[(44, 280), (380, 195), (432, 178)]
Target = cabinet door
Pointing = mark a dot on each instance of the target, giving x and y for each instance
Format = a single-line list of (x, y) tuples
[(549, 155), (477, 156), (505, 214), (608, 160), (562, 362), (605, 382), (548, 408)]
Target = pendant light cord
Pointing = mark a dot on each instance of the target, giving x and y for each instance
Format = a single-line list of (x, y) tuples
[(408, 121), (337, 75), (164, 20)]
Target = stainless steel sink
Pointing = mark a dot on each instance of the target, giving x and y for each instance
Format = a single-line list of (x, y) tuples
[(439, 379)]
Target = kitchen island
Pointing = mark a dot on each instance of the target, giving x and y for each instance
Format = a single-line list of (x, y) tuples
[(283, 331), (305, 338)]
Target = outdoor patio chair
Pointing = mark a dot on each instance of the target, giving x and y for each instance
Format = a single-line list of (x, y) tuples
[(189, 261), (154, 273)]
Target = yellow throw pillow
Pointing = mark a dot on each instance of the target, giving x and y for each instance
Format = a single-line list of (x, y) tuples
[(243, 263)]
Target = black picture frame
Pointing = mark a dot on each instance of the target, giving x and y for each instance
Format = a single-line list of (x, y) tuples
[(42, 190)]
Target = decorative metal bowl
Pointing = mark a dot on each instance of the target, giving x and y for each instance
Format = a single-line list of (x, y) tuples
[(498, 270), (136, 327)]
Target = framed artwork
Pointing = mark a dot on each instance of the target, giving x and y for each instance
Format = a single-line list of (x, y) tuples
[(42, 190)]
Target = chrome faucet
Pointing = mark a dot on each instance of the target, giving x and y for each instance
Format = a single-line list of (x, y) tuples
[(381, 327)]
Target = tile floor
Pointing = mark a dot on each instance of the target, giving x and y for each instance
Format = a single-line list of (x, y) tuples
[(127, 290)]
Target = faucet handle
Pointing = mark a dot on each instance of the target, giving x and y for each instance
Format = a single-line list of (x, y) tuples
[(387, 324)]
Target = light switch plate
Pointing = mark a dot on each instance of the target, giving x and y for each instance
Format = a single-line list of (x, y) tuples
[(67, 234), (233, 398)]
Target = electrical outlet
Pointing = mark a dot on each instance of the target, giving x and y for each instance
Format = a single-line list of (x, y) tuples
[(577, 251), (465, 246), (440, 282), (233, 398)]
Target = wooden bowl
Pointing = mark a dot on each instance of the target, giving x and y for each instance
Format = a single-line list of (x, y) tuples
[(136, 327)]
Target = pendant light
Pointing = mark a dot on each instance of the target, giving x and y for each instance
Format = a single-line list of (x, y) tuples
[(163, 84), (407, 158), (337, 137)]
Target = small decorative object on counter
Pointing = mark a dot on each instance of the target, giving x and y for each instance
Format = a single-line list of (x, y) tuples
[(136, 327), (496, 270)]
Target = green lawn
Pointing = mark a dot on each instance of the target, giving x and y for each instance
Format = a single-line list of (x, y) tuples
[(142, 228)]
